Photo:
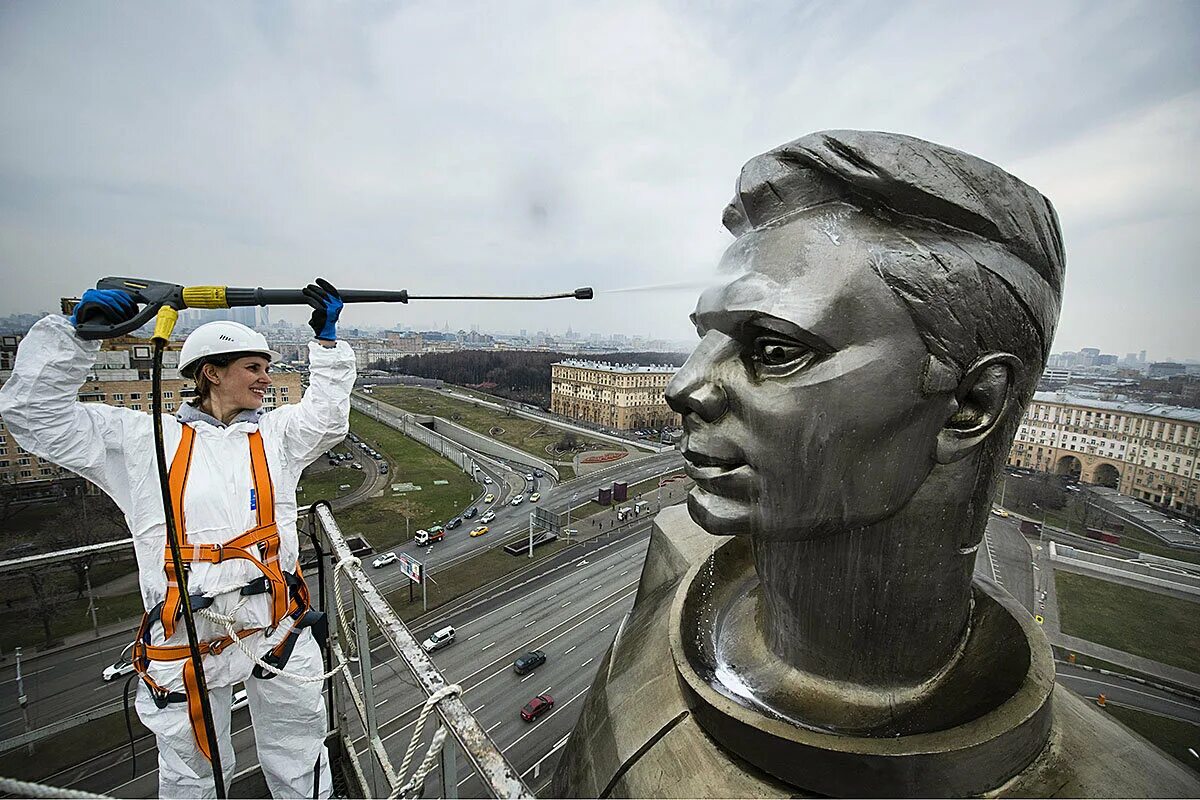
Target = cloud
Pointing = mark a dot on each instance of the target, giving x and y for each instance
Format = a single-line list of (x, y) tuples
[(543, 146)]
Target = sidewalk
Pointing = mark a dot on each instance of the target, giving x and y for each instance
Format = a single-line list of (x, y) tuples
[(28, 654), (605, 522)]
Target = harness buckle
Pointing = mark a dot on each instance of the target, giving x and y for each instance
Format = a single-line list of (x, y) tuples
[(160, 697), (215, 646)]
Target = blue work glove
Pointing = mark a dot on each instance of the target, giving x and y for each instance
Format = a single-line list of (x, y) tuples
[(327, 305), (113, 305)]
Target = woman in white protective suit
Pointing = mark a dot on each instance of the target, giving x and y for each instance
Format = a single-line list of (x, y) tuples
[(234, 471)]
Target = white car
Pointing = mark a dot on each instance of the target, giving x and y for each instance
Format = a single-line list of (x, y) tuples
[(516, 501), (384, 560), (438, 639), (488, 517), (529, 476), (487, 480), (123, 667)]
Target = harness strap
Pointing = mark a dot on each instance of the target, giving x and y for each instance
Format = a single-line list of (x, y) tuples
[(177, 480), (264, 537)]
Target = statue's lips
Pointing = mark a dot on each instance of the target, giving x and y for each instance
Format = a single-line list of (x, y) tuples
[(705, 469)]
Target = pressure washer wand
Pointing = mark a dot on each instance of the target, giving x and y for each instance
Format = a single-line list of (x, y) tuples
[(156, 295)]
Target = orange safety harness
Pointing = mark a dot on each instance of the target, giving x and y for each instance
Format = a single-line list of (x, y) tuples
[(259, 546)]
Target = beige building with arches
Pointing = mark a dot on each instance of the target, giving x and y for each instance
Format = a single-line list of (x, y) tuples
[(617, 396), (1144, 450)]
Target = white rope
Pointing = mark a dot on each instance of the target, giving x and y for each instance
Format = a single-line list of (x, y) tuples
[(229, 621), (435, 746), (16, 788)]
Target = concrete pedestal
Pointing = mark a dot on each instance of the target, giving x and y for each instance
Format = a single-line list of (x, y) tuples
[(658, 723)]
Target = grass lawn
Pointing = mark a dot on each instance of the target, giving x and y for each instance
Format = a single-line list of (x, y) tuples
[(322, 484), (523, 434), (466, 576), (76, 745), (1134, 620), (21, 628), (381, 519), (1172, 736)]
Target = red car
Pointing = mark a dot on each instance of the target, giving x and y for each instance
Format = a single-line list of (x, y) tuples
[(536, 707)]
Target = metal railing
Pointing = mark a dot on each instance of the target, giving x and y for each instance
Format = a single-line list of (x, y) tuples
[(358, 605)]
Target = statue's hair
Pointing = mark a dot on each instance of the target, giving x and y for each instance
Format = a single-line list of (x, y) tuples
[(978, 259)]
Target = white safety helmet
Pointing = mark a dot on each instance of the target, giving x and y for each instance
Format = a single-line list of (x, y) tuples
[(217, 338)]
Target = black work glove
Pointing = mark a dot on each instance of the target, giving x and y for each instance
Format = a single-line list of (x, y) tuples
[(327, 306), (113, 306)]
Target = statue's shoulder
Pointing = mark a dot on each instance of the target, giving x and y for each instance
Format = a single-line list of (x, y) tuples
[(636, 736)]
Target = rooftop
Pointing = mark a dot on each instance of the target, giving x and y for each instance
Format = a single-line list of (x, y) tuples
[(624, 368), (1125, 406)]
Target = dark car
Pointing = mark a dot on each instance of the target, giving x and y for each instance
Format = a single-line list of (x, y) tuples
[(537, 473), (536, 707), (529, 662), (454, 523), (471, 512)]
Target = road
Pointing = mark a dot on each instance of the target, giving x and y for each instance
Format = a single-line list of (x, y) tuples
[(1089, 683), (511, 521), (1004, 555)]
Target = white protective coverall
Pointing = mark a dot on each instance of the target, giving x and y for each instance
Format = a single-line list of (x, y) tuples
[(114, 448)]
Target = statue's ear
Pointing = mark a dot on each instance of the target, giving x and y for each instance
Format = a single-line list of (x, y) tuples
[(983, 399)]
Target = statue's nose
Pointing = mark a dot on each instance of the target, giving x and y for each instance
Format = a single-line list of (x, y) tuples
[(693, 391)]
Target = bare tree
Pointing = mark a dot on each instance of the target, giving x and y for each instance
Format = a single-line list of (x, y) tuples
[(46, 602)]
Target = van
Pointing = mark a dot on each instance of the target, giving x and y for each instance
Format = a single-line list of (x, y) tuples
[(438, 639), (624, 513)]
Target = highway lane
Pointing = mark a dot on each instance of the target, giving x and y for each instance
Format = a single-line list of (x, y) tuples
[(1089, 683)]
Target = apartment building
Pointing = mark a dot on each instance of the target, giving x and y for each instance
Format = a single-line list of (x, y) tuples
[(617, 396), (1145, 450)]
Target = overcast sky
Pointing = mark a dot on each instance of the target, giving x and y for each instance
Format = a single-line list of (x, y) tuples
[(489, 147)]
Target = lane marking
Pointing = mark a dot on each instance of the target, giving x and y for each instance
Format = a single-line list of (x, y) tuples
[(571, 648), (486, 646)]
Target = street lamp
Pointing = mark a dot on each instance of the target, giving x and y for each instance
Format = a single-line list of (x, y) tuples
[(87, 580), (1042, 527)]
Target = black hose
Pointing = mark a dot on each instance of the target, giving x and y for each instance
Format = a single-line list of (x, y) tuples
[(129, 723), (327, 655), (180, 575)]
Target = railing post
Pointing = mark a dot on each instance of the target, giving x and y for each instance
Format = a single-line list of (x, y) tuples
[(449, 759), (367, 686)]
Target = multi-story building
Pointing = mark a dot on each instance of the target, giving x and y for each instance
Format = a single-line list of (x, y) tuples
[(120, 377), (619, 396), (1145, 450)]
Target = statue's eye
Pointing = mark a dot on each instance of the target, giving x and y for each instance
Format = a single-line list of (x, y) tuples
[(775, 356)]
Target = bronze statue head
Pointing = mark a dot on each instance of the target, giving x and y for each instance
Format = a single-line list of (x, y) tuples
[(892, 305)]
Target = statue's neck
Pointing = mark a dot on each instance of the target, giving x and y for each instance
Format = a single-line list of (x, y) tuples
[(886, 606)]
